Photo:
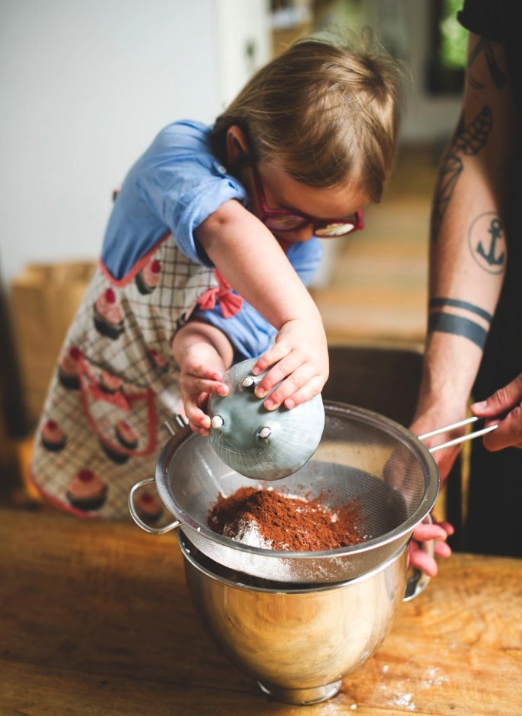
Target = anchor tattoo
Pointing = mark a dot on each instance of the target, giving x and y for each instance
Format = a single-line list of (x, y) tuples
[(495, 229)]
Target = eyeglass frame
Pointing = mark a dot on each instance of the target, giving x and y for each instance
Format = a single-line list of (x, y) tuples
[(308, 219)]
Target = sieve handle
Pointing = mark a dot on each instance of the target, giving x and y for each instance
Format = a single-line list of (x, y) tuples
[(463, 438), (417, 580), (137, 519)]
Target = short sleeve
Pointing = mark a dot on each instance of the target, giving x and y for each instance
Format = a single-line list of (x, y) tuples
[(249, 333), (482, 18), (184, 183)]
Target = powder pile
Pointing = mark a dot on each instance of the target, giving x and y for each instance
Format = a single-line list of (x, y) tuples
[(268, 519)]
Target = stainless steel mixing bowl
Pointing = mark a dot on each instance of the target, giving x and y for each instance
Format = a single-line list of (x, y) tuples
[(297, 642)]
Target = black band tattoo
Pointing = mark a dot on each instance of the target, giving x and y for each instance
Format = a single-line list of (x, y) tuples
[(458, 326), (467, 141), (454, 303)]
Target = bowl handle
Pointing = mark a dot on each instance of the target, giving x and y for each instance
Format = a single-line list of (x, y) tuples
[(417, 580), (137, 519)]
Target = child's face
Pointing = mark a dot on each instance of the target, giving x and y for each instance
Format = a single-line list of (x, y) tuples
[(283, 192)]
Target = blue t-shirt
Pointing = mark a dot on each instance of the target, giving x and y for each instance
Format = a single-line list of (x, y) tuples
[(174, 186)]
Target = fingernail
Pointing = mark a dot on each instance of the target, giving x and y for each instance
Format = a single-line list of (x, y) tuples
[(289, 404), (269, 404), (479, 406), (256, 370), (260, 392)]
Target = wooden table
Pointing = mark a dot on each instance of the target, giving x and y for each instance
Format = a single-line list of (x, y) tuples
[(95, 619)]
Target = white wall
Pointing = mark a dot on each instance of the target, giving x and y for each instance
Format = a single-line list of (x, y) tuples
[(427, 117), (84, 88)]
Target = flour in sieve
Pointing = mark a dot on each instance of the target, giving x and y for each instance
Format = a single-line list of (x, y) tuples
[(271, 520), (247, 532)]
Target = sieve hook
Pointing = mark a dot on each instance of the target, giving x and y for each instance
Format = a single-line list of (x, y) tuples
[(456, 441), (137, 519)]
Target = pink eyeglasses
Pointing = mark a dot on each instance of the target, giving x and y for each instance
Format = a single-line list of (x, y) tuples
[(284, 220)]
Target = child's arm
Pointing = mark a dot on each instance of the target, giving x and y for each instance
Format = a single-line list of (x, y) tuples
[(250, 259), (203, 354)]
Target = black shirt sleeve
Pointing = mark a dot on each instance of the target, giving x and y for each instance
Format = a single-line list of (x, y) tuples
[(482, 17)]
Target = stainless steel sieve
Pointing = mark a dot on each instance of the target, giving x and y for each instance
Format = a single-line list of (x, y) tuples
[(362, 456)]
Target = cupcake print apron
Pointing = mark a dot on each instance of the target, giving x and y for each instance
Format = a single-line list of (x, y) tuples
[(116, 383)]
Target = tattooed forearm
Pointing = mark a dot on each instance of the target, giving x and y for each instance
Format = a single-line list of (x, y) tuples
[(467, 141), (498, 76), (454, 303), (487, 242), (458, 326)]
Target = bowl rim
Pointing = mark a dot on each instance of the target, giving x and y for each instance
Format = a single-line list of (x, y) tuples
[(298, 589)]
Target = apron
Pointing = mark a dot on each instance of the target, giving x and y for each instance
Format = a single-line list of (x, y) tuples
[(116, 383)]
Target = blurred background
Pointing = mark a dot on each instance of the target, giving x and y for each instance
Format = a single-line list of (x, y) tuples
[(85, 87)]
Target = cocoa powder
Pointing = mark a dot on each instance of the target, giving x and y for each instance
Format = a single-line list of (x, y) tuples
[(286, 522)]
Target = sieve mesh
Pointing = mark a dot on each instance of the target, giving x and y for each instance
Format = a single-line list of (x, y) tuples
[(362, 456)]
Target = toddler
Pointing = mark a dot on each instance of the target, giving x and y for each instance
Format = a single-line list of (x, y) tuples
[(211, 241)]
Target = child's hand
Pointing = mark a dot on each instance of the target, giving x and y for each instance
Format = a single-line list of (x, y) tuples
[(202, 370), (300, 362)]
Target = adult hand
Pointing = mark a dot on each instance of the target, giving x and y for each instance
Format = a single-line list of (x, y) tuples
[(505, 408), (300, 364), (437, 416), (438, 531)]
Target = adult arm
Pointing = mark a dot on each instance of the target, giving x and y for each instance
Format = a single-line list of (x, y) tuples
[(468, 256), (467, 245)]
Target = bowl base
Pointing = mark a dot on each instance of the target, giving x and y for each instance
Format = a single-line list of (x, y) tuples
[(301, 697)]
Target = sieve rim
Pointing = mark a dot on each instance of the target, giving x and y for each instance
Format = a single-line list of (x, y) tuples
[(402, 434)]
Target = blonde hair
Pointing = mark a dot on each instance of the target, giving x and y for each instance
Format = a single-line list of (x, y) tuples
[(326, 112)]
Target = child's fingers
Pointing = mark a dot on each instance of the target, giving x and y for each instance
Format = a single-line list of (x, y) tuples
[(273, 355), (293, 382), (313, 387), (195, 386), (202, 370), (199, 430), (284, 368), (196, 417)]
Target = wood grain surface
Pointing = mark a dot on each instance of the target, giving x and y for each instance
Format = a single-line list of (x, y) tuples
[(95, 619)]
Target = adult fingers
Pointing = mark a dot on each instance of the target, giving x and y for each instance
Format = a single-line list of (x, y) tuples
[(421, 560), (442, 550), (503, 400), (448, 529), (425, 531), (508, 433)]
